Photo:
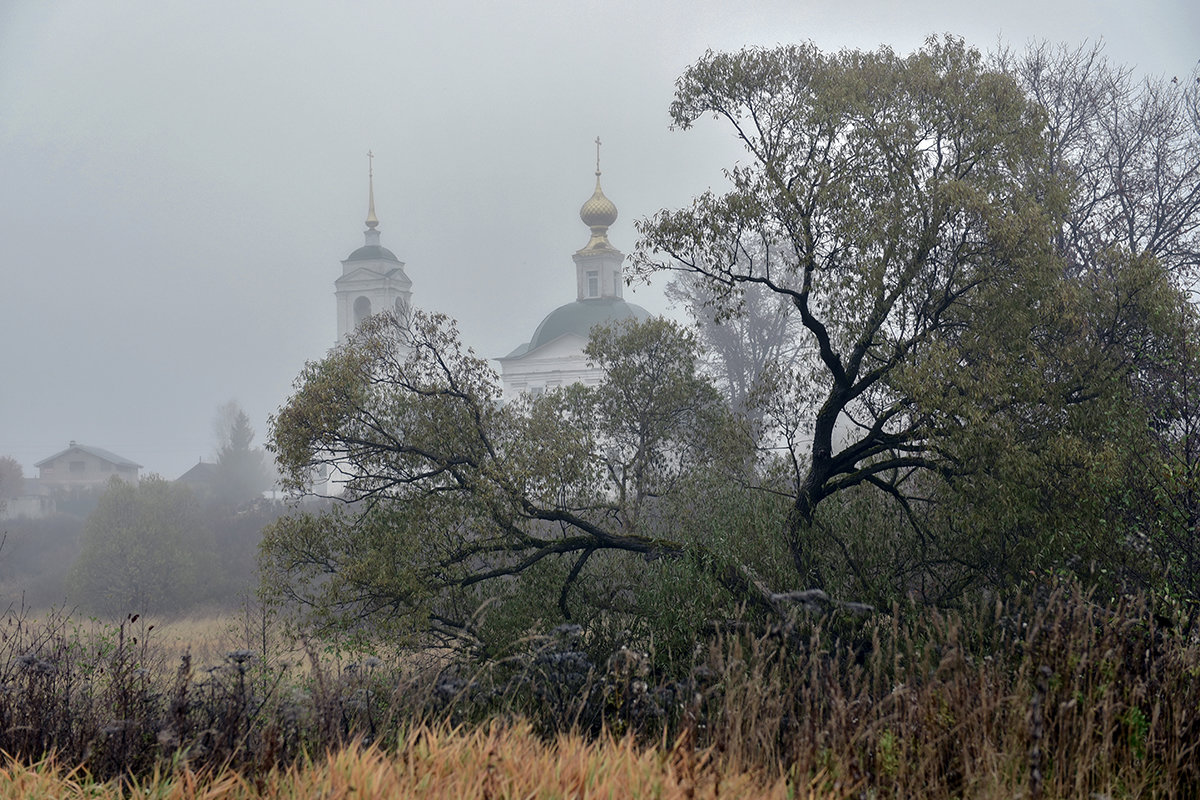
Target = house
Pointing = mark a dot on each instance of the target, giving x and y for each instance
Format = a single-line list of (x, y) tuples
[(82, 466)]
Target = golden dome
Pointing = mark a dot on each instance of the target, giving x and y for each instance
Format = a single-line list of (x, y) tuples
[(598, 211)]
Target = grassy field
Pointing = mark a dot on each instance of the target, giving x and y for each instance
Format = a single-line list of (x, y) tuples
[(1051, 695)]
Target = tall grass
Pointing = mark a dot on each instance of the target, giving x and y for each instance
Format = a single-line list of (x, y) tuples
[(1055, 696), (492, 761), (1048, 695)]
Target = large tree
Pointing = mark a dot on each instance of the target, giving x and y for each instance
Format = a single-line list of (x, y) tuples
[(902, 206), (1128, 149), (449, 493)]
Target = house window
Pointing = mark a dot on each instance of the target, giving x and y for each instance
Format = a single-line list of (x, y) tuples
[(593, 284), (77, 466)]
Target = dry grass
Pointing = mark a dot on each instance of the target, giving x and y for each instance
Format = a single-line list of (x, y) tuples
[(1052, 696), (1049, 695), (433, 762), (205, 636)]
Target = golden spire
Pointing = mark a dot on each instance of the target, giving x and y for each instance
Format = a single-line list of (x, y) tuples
[(598, 213), (372, 220)]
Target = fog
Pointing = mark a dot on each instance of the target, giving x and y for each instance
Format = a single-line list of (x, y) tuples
[(179, 182)]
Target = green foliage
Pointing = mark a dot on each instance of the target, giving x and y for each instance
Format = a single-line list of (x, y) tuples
[(43, 561), (350, 569), (1159, 497), (143, 549), (947, 391), (965, 404), (891, 201), (543, 509), (37, 556)]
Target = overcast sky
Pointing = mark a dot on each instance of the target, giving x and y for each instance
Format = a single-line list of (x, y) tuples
[(180, 181)]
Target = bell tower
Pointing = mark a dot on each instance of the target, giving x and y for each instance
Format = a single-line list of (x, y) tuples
[(373, 280)]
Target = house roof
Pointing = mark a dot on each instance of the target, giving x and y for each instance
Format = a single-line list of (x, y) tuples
[(98, 452), (204, 472)]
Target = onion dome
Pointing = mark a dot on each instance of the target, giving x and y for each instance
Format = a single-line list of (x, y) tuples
[(598, 213)]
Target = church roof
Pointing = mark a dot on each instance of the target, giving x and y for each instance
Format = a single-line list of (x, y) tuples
[(579, 318), (369, 252)]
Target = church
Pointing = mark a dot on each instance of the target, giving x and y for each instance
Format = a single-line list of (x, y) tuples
[(374, 280)]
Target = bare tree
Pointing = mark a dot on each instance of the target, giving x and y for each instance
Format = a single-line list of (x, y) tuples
[(1129, 148), (749, 339)]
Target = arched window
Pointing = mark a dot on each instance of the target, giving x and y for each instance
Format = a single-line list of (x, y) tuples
[(362, 310)]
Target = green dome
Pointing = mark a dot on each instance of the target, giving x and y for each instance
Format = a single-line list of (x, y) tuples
[(373, 251), (583, 315)]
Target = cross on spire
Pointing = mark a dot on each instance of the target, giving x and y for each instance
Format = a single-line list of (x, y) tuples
[(372, 220), (597, 155)]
